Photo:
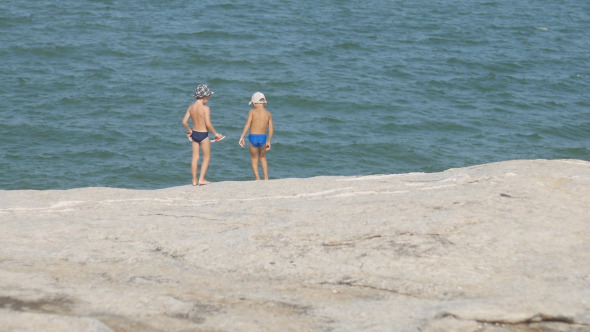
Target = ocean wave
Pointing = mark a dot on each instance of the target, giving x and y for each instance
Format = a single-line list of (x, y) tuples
[(369, 89)]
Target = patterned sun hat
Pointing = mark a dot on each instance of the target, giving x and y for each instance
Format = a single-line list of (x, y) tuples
[(203, 91)]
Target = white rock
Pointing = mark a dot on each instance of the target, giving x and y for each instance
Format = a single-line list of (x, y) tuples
[(503, 243)]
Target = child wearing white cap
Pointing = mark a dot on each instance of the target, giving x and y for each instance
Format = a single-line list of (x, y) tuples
[(259, 121)]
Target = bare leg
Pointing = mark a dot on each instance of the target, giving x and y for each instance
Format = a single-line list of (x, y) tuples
[(254, 158), (195, 162), (263, 162), (206, 146)]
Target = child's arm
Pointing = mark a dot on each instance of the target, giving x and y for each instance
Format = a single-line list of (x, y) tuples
[(185, 122), (246, 127), (209, 125), (270, 133)]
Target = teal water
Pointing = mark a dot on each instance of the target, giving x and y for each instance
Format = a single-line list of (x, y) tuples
[(93, 92)]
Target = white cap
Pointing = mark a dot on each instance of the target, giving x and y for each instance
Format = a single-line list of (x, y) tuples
[(257, 98)]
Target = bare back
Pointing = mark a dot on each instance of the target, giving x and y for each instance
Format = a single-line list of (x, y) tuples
[(260, 118), (200, 115)]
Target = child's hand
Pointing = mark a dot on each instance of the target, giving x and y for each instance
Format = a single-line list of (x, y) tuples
[(218, 135), (267, 146), (241, 142)]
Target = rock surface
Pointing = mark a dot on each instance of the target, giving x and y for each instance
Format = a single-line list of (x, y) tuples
[(496, 247)]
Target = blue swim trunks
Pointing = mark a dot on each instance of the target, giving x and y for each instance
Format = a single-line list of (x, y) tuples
[(199, 136), (257, 140)]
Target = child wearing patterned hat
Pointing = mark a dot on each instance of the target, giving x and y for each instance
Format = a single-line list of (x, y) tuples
[(199, 113)]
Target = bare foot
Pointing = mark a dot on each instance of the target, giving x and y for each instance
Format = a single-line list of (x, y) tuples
[(203, 182), (194, 183)]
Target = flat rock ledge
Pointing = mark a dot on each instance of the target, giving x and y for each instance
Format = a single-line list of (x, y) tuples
[(495, 247)]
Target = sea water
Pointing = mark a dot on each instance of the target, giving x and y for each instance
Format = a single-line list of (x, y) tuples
[(93, 92)]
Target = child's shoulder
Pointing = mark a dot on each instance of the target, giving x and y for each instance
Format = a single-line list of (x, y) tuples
[(192, 107)]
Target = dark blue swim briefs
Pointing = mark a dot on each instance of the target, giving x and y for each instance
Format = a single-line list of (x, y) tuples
[(199, 136), (257, 140)]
